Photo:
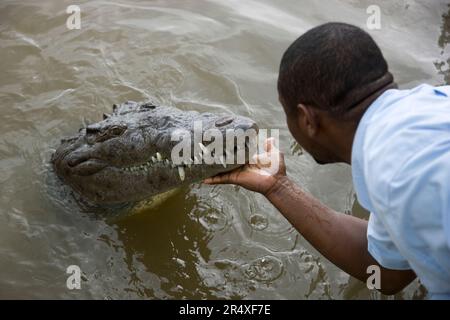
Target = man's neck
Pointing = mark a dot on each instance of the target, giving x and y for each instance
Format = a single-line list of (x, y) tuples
[(348, 127)]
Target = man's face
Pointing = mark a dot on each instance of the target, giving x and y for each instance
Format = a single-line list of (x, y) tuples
[(315, 145)]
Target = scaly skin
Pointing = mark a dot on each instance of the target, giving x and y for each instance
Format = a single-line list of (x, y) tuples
[(126, 157)]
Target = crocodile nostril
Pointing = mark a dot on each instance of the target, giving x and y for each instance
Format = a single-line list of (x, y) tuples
[(224, 121), (247, 126), (148, 105)]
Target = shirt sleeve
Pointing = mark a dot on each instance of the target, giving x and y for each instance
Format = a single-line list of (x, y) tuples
[(381, 247)]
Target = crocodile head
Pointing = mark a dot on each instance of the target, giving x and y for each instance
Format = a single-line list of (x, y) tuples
[(128, 156)]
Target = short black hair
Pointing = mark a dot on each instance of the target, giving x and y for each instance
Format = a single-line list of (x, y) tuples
[(327, 63)]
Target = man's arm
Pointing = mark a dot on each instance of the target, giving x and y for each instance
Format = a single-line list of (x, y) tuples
[(341, 238)]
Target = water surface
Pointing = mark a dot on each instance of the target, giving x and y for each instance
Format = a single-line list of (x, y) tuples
[(217, 56)]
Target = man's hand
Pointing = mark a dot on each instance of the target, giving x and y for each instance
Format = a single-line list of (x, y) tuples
[(262, 176), (341, 238)]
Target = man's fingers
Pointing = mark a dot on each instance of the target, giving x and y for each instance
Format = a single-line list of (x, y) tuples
[(219, 179), (262, 160), (269, 144), (232, 177), (224, 178)]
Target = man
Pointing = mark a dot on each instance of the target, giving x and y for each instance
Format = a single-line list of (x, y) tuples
[(342, 105)]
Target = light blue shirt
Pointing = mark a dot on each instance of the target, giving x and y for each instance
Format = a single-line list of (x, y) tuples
[(401, 174)]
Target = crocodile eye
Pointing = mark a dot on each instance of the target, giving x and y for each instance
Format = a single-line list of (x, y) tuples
[(116, 131)]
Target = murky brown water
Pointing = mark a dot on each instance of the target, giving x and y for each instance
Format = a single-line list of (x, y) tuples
[(207, 242)]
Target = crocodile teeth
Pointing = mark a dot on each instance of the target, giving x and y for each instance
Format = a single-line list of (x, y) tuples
[(181, 173), (167, 161), (199, 158), (228, 154), (204, 149), (153, 159), (158, 156), (222, 161)]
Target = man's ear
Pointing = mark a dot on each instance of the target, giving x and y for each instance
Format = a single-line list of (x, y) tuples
[(308, 119)]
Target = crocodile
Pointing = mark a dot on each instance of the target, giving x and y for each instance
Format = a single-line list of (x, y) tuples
[(124, 162)]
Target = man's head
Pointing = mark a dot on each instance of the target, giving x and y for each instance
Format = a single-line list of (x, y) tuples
[(325, 77)]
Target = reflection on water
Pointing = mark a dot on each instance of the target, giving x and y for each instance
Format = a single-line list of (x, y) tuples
[(206, 242)]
